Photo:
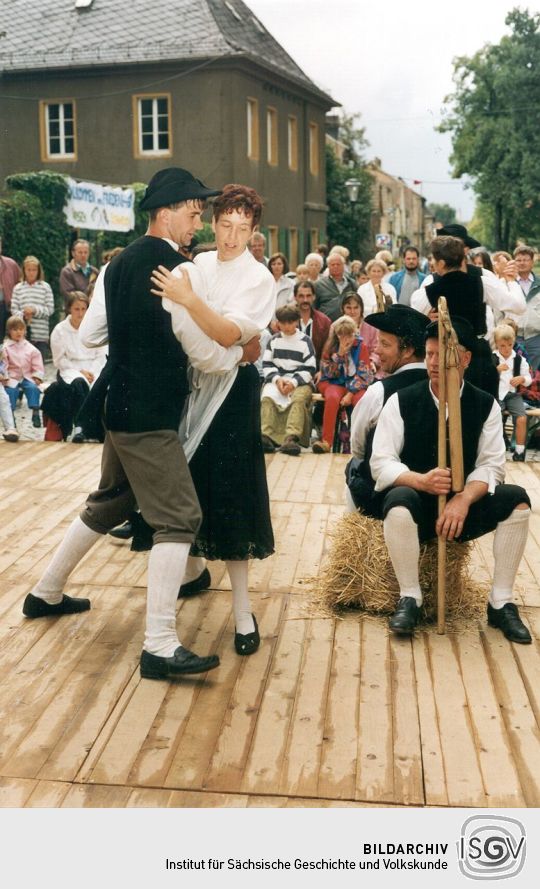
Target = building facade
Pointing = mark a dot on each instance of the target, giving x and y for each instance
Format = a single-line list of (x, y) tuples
[(398, 212), (114, 90)]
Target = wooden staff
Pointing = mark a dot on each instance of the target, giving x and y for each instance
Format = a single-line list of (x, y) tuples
[(381, 299), (449, 393)]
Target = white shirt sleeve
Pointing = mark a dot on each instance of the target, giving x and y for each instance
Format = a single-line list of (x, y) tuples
[(525, 372), (388, 441), (94, 330), (364, 418), (420, 301), (491, 456), (500, 296)]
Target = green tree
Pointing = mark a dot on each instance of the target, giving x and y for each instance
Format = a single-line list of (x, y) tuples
[(442, 213), (349, 224), (493, 118)]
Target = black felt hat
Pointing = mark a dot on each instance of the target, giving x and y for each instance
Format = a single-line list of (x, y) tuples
[(172, 185), (463, 329), (401, 321), (454, 230)]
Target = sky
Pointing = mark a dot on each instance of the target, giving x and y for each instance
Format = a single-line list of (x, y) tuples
[(392, 63)]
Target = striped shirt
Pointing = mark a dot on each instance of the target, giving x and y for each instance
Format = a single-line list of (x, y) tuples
[(38, 296), (292, 357)]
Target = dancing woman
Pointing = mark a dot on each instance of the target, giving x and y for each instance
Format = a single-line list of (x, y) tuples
[(221, 432)]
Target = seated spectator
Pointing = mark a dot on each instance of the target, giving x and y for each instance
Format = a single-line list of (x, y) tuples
[(6, 413), (78, 367), (345, 376), (513, 372), (315, 324), (329, 290), (279, 267), (353, 306), (301, 273), (314, 263), (33, 301), (78, 274), (289, 366), (376, 270), (24, 367)]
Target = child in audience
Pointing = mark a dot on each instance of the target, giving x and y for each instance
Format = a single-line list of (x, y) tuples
[(24, 367), (6, 414), (513, 372)]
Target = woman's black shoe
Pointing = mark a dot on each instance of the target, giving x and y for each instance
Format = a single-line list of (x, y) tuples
[(247, 643)]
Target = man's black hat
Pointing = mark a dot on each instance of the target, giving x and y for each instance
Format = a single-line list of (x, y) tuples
[(454, 230), (463, 329), (172, 185), (401, 321)]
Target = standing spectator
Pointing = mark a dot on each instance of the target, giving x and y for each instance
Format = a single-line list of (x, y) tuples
[(314, 263), (409, 278), (481, 258), (329, 290), (257, 247), (356, 271), (376, 270), (529, 323), (289, 366), (78, 274), (315, 324), (345, 376), (33, 301), (322, 250), (10, 275), (279, 267), (24, 367)]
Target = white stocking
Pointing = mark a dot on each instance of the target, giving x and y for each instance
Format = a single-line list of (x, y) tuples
[(78, 541), (243, 618), (166, 568), (508, 548), (401, 538)]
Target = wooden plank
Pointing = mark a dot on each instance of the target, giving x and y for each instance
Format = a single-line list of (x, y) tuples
[(463, 776), (89, 796), (48, 795), (337, 775), (300, 772), (501, 781), (189, 799), (432, 756), (148, 798), (308, 558), (375, 772), (14, 792), (408, 778)]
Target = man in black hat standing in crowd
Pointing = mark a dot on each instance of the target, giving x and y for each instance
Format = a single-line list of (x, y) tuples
[(408, 482), (142, 391), (401, 351)]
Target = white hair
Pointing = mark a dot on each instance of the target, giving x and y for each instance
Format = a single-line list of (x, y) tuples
[(317, 257)]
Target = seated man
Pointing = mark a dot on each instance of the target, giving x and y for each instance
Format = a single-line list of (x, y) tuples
[(404, 466), (401, 350), (288, 367)]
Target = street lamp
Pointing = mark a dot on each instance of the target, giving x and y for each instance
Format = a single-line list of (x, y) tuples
[(353, 187)]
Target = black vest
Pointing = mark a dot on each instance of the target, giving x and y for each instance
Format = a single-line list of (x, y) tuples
[(147, 365), (420, 418), (464, 295)]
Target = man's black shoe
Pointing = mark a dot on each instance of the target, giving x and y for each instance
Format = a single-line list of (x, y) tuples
[(143, 534), (183, 662), (405, 617), (268, 445), (202, 582), (122, 532), (35, 607), (508, 620), (518, 458)]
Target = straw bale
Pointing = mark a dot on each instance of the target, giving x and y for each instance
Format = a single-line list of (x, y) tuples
[(357, 573)]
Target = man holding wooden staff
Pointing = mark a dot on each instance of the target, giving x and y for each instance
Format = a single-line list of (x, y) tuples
[(404, 467)]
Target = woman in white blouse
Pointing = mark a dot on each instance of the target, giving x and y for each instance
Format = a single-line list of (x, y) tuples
[(376, 269), (78, 367), (279, 267)]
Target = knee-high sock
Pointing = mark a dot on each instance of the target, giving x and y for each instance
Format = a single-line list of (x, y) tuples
[(194, 568), (166, 568), (78, 540), (238, 573), (508, 547), (401, 538)]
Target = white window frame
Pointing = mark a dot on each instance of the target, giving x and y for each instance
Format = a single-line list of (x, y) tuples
[(154, 151), (62, 137)]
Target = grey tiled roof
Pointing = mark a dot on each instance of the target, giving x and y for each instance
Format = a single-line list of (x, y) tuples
[(49, 34)]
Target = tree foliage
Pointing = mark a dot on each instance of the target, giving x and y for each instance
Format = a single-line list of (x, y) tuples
[(349, 224), (494, 121), (442, 213)]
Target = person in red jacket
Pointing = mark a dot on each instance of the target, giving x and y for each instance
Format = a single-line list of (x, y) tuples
[(315, 324)]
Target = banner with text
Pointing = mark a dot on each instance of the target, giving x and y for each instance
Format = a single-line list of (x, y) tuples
[(94, 206)]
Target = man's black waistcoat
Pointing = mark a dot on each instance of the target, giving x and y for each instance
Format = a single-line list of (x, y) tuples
[(420, 418), (147, 365)]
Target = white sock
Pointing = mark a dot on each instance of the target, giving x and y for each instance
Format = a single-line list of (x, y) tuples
[(520, 449), (194, 568), (78, 540), (166, 568), (401, 538), (243, 618), (508, 548)]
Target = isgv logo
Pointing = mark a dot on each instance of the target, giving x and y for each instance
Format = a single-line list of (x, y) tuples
[(491, 847)]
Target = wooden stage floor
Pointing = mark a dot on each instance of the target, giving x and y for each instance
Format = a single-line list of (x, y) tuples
[(329, 712)]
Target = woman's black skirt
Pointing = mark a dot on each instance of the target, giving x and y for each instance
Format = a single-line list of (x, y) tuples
[(229, 474)]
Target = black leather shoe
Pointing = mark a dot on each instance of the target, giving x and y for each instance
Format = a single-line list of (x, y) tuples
[(268, 445), (143, 534), (508, 620), (35, 607), (202, 582), (122, 532), (183, 662), (247, 643), (518, 458), (405, 617)]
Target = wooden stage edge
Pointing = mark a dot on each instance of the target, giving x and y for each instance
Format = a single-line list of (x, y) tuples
[(332, 711)]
